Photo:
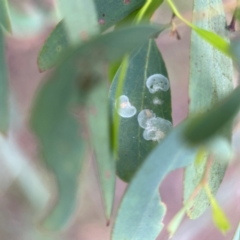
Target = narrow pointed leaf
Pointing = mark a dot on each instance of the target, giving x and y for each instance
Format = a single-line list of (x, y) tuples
[(4, 15), (4, 111), (133, 148), (99, 125), (171, 154), (211, 74), (109, 13), (60, 138), (219, 216)]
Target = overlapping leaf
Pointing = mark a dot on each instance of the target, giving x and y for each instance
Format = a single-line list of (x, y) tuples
[(59, 134), (109, 13), (171, 154), (99, 124), (205, 126), (132, 147), (211, 75)]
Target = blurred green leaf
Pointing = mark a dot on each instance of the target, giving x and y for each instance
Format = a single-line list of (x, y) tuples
[(109, 13), (132, 147), (237, 234), (204, 126), (171, 154), (59, 134), (61, 145), (4, 15), (219, 217), (4, 111), (215, 38), (99, 123), (211, 75), (80, 19), (54, 48)]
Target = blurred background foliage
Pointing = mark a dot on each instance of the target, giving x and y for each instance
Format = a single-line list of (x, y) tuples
[(25, 184)]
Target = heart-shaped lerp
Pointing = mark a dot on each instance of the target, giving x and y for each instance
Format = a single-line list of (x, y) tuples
[(124, 107), (157, 82), (156, 128), (144, 116)]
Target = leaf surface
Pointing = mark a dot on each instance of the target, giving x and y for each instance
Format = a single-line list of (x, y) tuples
[(4, 111), (201, 128), (80, 19), (171, 154), (211, 74), (109, 13), (99, 124), (132, 147)]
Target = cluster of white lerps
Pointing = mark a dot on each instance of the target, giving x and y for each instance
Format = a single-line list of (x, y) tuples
[(156, 128)]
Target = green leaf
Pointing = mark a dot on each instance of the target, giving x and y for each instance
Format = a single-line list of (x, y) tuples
[(4, 15), (132, 147), (171, 154), (213, 38), (60, 143), (211, 75), (219, 218), (58, 132), (109, 13), (201, 128), (80, 19), (54, 48), (4, 111), (99, 123)]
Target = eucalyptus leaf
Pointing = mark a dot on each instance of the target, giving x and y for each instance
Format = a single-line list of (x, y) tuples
[(201, 128), (171, 154), (80, 19), (4, 107), (211, 75), (61, 146), (109, 13), (99, 122), (4, 15), (58, 132), (133, 148)]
